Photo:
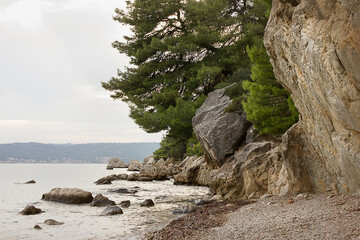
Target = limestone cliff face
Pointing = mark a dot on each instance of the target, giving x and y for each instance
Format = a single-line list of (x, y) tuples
[(314, 47)]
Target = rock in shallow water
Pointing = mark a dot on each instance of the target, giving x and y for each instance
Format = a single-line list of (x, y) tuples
[(101, 201), (124, 190), (31, 210), (52, 222), (116, 163), (37, 227), (68, 195), (112, 210), (30, 182), (147, 203), (125, 203)]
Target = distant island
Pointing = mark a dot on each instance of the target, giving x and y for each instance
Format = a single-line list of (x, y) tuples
[(74, 153)]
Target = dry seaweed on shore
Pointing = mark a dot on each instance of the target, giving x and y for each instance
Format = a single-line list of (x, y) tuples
[(205, 217)]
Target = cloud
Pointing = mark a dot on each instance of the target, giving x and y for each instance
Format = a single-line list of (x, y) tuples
[(26, 13), (54, 55)]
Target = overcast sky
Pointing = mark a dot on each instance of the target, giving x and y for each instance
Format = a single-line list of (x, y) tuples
[(53, 56)]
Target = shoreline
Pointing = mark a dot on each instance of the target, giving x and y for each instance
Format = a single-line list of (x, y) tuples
[(322, 216)]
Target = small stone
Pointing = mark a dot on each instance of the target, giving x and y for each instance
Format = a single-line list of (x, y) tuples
[(184, 209), (270, 203), (101, 201), (251, 196), (216, 198), (124, 190), (37, 227), (112, 210), (125, 203), (266, 195), (31, 210), (52, 222), (202, 202), (230, 205), (30, 182), (147, 203), (291, 201), (329, 197)]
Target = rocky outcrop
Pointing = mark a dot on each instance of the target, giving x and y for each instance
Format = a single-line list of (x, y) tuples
[(125, 203), (116, 163), (314, 47), (134, 165), (195, 171), (219, 133), (68, 195)]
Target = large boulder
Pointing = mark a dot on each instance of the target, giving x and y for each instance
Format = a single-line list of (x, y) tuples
[(314, 46), (219, 133), (134, 165), (116, 163), (68, 195)]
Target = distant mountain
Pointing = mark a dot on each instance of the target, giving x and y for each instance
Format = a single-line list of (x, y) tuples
[(74, 153)]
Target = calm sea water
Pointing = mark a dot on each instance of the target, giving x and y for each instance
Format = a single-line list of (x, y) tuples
[(83, 221)]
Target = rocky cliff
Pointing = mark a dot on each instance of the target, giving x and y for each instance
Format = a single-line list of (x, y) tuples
[(314, 47)]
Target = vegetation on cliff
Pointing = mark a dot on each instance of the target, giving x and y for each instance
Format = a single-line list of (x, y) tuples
[(181, 51)]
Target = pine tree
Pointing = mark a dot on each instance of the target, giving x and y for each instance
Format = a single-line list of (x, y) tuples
[(268, 105), (180, 50)]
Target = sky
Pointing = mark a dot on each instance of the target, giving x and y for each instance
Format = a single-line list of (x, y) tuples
[(54, 54)]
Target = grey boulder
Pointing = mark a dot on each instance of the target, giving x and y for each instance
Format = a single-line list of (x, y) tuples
[(68, 195)]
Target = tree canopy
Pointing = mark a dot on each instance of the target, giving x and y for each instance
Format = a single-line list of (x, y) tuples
[(179, 50)]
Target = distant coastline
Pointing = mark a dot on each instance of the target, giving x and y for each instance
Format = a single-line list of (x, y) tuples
[(74, 153)]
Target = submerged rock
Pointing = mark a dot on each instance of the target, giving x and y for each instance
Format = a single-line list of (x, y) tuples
[(112, 210), (52, 222), (68, 195), (125, 203), (147, 203), (101, 201), (124, 190), (31, 210)]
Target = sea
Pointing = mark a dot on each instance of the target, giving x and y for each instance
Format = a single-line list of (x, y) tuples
[(83, 221)]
